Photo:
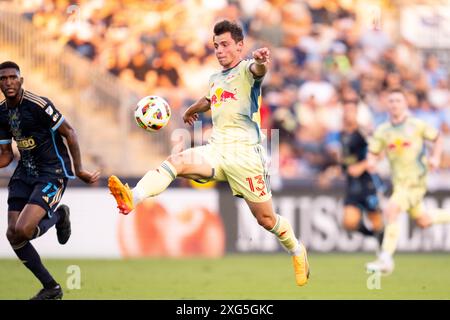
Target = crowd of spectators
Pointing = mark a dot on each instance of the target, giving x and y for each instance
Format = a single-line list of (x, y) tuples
[(321, 55)]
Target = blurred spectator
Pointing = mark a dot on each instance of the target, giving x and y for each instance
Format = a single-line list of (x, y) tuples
[(434, 72), (315, 88), (427, 113)]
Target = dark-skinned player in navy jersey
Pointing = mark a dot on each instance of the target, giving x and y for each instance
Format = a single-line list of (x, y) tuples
[(362, 188), (40, 178)]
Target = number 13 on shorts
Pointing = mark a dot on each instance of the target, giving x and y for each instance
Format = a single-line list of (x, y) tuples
[(257, 185)]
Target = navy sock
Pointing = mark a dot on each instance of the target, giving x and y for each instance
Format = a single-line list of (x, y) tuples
[(377, 234), (45, 224), (31, 259), (363, 229)]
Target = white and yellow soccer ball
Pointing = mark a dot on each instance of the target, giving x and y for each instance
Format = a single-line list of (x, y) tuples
[(152, 113)]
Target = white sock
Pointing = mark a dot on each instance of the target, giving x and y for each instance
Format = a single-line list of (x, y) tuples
[(283, 231), (154, 182)]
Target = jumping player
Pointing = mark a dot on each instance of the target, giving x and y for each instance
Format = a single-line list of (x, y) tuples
[(234, 152)]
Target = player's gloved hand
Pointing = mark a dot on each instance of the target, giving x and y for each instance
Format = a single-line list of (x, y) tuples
[(190, 118), (88, 177)]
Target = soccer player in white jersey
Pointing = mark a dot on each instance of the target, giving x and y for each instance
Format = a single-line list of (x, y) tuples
[(234, 153)]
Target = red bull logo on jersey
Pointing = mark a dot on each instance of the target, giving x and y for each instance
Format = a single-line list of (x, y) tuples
[(399, 145), (221, 96)]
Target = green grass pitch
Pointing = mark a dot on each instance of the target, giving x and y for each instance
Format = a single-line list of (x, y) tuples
[(333, 276)]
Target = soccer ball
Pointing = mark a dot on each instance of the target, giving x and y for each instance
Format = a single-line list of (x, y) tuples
[(152, 113)]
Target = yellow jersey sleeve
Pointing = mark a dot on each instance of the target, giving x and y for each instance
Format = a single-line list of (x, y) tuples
[(429, 132), (208, 92), (248, 73)]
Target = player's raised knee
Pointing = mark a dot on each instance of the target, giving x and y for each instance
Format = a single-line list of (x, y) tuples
[(423, 222), (351, 219), (267, 222), (24, 232), (11, 235), (178, 161), (184, 162), (350, 223), (377, 223)]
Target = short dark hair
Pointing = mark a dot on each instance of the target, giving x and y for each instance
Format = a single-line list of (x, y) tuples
[(233, 28), (397, 90), (9, 64)]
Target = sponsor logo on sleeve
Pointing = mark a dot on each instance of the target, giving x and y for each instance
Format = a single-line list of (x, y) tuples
[(49, 110)]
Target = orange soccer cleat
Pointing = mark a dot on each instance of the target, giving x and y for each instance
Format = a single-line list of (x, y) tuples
[(122, 193), (301, 267)]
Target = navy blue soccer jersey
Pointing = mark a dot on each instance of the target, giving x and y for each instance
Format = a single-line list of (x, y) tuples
[(33, 125), (354, 150)]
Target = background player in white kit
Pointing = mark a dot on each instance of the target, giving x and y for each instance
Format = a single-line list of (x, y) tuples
[(234, 153)]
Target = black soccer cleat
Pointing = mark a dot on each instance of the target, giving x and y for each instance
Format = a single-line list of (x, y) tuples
[(55, 293), (63, 230)]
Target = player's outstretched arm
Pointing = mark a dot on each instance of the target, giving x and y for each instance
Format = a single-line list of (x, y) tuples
[(262, 58), (6, 155), (72, 141), (191, 113)]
